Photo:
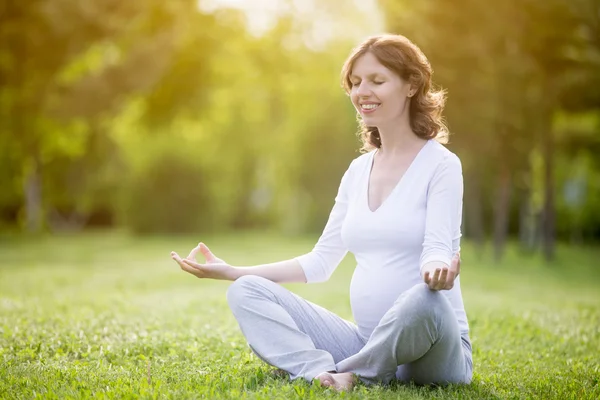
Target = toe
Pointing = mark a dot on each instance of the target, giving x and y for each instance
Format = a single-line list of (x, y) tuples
[(325, 379)]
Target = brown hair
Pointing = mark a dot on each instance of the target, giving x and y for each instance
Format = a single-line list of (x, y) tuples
[(400, 55)]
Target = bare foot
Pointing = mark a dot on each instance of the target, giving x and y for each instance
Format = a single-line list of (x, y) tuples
[(340, 382)]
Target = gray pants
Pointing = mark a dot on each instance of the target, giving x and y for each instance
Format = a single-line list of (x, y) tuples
[(418, 339)]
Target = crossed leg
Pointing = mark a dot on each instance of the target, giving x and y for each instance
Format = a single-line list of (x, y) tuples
[(289, 332), (418, 339)]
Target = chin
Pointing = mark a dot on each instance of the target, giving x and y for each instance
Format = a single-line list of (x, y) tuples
[(370, 121)]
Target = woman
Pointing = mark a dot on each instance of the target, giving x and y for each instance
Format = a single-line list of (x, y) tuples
[(398, 210)]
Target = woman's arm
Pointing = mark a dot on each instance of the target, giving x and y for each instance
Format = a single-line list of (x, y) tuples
[(216, 268), (288, 271), (442, 224)]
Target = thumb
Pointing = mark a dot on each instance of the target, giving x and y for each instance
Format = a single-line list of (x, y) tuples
[(207, 253), (456, 263)]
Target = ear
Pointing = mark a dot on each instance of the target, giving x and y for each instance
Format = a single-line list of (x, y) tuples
[(413, 86)]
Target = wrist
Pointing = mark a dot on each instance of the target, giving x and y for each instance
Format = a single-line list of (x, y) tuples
[(234, 273)]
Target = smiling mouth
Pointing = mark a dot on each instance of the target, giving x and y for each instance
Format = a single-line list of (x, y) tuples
[(369, 107)]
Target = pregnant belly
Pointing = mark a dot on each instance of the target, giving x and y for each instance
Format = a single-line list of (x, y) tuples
[(372, 294)]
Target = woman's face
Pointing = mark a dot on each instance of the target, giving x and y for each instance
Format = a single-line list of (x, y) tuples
[(378, 94)]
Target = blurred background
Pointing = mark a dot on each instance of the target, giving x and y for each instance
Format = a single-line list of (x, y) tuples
[(193, 117)]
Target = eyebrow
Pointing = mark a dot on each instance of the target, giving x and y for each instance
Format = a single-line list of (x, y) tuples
[(375, 74)]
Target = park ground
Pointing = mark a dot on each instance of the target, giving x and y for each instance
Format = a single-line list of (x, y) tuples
[(106, 315)]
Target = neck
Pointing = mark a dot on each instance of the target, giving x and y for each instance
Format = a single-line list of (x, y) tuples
[(397, 138)]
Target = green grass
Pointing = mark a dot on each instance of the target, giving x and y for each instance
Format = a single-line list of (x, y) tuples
[(110, 316)]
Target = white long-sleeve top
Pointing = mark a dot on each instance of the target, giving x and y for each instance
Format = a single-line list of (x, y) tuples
[(417, 223)]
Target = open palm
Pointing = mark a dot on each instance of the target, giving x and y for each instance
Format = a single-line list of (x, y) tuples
[(212, 268)]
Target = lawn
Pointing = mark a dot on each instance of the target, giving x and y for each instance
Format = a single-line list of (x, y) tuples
[(105, 315)]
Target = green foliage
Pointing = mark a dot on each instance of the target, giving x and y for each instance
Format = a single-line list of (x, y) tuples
[(65, 65), (510, 69), (167, 196), (110, 316), (91, 92)]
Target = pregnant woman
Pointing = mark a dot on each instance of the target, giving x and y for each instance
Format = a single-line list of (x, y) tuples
[(398, 210)]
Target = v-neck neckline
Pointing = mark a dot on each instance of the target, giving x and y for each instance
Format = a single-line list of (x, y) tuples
[(398, 184)]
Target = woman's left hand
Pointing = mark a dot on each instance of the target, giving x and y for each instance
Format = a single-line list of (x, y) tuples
[(443, 278)]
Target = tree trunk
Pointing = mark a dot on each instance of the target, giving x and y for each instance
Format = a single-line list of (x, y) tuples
[(244, 214), (32, 190), (546, 135), (474, 212), (548, 223), (527, 223), (501, 212)]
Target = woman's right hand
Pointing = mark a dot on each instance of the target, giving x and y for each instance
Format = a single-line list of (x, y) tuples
[(213, 268)]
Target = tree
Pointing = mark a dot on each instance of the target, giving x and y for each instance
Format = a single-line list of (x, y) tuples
[(505, 67), (65, 61)]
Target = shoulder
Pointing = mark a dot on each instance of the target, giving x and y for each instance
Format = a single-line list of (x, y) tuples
[(443, 158), (353, 172), (363, 159), (358, 163)]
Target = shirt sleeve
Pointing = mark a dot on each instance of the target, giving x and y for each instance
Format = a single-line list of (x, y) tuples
[(319, 264), (444, 212)]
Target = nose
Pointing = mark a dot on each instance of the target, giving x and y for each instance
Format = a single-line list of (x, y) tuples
[(363, 90)]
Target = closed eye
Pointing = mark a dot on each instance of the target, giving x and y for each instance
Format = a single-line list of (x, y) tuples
[(356, 83)]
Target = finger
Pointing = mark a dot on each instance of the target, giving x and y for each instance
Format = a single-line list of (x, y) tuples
[(179, 261), (210, 257), (193, 264), (175, 256), (187, 268), (443, 278), (432, 280), (195, 250), (436, 276), (444, 275), (426, 277), (450, 280), (456, 263), (439, 284)]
